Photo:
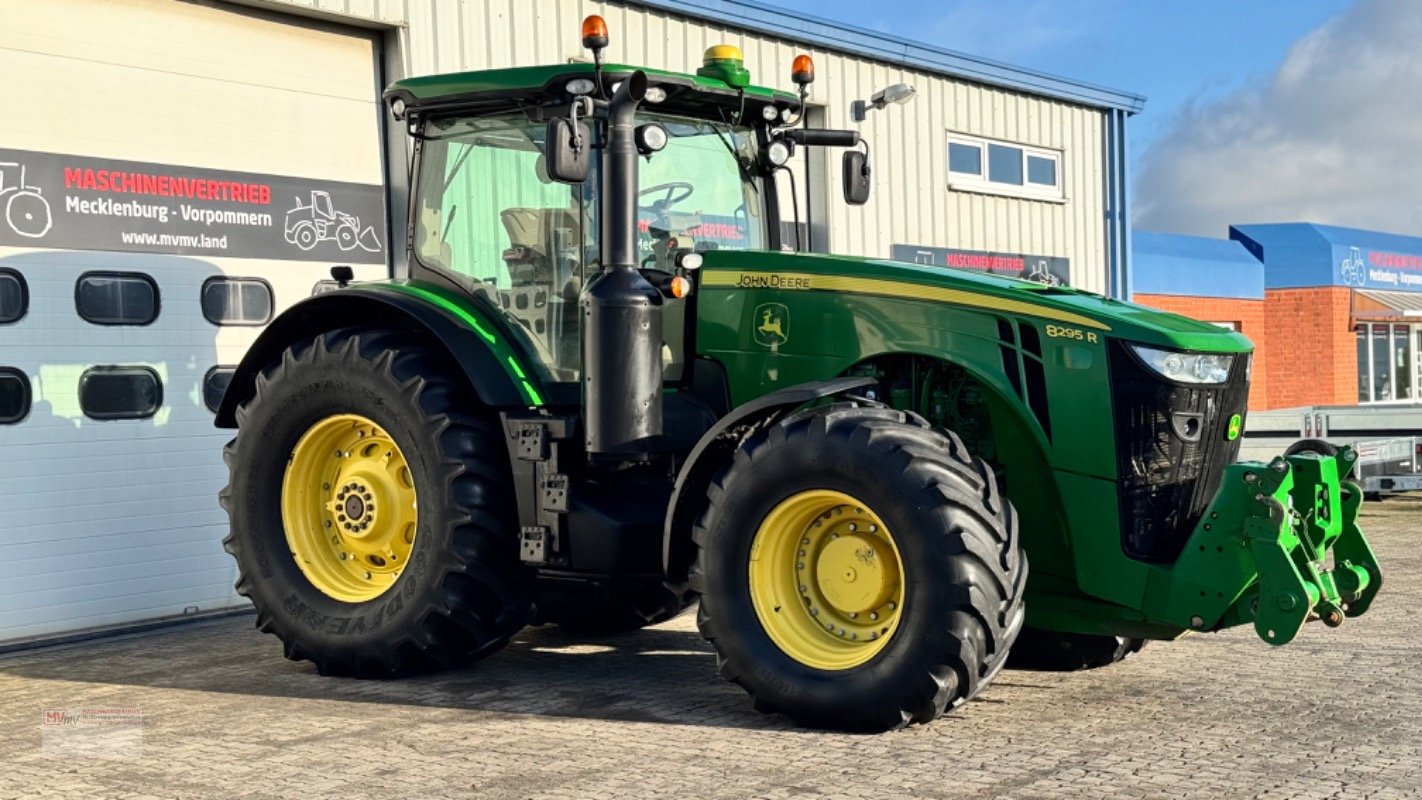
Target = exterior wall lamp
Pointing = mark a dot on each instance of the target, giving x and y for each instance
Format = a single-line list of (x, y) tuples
[(899, 93)]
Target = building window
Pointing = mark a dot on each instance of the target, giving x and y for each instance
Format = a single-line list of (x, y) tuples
[(237, 301), (214, 386), (14, 395), (120, 392), (14, 296), (1386, 368), (984, 165), (116, 298)]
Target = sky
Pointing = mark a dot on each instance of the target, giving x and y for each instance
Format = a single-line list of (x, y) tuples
[(1256, 110)]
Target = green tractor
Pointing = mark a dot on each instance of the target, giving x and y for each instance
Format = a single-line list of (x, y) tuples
[(610, 387)]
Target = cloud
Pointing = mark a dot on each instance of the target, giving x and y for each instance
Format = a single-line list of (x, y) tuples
[(1334, 136)]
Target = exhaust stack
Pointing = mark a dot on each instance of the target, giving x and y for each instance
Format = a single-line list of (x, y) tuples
[(622, 312)]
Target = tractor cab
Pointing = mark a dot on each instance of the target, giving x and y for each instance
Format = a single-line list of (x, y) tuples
[(497, 213)]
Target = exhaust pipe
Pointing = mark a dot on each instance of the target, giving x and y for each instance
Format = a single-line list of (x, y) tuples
[(622, 311)]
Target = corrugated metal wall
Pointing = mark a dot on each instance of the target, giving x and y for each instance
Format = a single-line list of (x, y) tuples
[(912, 202)]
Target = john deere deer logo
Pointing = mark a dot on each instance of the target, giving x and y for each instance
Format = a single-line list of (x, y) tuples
[(772, 324)]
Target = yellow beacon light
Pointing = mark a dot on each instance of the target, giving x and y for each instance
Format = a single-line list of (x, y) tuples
[(725, 63)]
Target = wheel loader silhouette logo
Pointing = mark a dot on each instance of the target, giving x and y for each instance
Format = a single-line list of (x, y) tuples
[(1042, 273), (1352, 269), (307, 225), (26, 210), (772, 324)]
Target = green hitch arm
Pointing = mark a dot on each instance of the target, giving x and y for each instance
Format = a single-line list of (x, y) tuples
[(1261, 553)]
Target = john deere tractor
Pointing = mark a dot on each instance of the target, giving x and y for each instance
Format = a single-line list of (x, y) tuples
[(611, 387)]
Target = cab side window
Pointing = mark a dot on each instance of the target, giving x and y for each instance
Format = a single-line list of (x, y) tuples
[(489, 215)]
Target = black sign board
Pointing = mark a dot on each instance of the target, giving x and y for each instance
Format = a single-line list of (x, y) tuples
[(85, 203), (1051, 270)]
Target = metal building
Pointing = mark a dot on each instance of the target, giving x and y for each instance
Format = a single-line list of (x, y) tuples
[(173, 174)]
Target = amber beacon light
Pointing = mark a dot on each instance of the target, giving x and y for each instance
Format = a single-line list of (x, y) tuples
[(802, 70), (594, 32)]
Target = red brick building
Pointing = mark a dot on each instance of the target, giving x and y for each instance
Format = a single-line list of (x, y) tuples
[(1335, 313)]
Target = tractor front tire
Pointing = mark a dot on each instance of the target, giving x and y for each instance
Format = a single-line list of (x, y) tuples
[(1052, 651), (371, 509), (858, 570)]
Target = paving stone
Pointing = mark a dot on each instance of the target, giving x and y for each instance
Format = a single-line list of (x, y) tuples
[(1336, 714)]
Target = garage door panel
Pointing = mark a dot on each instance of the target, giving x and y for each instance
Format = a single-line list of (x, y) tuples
[(116, 521)]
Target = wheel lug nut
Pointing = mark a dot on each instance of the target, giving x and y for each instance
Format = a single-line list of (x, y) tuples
[(800, 565), (805, 540), (853, 526), (325, 487), (814, 612), (854, 615), (327, 523), (873, 615), (893, 605), (854, 636), (367, 576), (834, 536), (873, 528), (829, 626), (802, 554), (803, 588), (343, 556)]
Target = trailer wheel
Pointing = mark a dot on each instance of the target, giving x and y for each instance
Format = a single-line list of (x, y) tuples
[(1052, 651), (1318, 446), (371, 512), (858, 570)]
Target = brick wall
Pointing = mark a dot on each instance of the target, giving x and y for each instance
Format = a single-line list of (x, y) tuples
[(1249, 315), (1310, 347), (1305, 351)]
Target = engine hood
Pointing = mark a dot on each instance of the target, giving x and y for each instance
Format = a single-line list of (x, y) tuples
[(1053, 304)]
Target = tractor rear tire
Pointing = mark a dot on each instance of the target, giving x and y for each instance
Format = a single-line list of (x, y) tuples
[(841, 515), (450, 587), (1052, 651)]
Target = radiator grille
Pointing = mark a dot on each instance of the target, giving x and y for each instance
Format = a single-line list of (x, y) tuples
[(1167, 476)]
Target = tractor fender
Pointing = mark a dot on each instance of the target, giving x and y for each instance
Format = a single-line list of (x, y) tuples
[(389, 307), (715, 450)]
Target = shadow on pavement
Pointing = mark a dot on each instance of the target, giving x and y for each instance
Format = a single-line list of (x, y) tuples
[(658, 675)]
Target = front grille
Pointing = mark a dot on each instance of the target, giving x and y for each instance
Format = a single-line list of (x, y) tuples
[(1172, 446)]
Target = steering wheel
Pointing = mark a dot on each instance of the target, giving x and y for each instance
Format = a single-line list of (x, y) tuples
[(676, 191)]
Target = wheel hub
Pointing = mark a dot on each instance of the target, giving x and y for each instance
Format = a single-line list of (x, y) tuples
[(348, 505), (826, 579)]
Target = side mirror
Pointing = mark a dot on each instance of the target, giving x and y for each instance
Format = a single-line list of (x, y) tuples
[(568, 151), (856, 177)]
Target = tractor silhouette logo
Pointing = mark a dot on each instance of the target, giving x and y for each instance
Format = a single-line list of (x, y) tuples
[(772, 324), (1351, 269), (307, 225), (26, 210)]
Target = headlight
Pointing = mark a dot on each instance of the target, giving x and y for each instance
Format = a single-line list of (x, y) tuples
[(771, 113), (777, 153), (580, 86), (1186, 367), (651, 138)]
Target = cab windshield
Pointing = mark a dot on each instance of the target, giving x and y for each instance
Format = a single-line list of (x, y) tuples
[(488, 217)]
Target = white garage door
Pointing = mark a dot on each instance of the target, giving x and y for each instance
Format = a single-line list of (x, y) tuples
[(171, 176)]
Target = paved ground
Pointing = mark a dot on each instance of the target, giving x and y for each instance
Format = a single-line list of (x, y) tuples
[(1336, 714)]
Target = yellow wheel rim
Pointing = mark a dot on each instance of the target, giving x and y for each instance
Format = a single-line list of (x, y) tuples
[(348, 506), (826, 580)]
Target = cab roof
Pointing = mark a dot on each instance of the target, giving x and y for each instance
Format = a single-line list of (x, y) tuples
[(495, 88)]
